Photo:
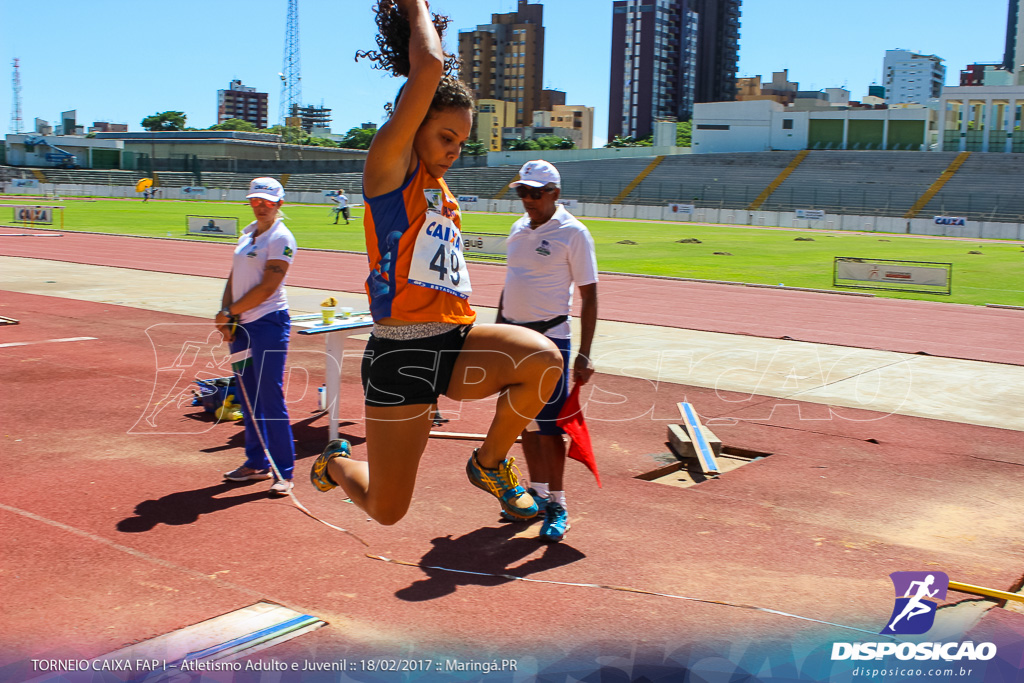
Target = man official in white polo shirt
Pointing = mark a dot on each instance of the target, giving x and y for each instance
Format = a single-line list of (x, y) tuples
[(550, 252)]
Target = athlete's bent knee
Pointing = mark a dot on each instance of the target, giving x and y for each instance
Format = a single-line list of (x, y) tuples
[(546, 357), (385, 514)]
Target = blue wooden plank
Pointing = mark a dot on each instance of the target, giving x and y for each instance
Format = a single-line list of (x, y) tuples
[(704, 452)]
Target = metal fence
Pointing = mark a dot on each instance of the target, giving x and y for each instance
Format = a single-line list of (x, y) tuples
[(882, 201)]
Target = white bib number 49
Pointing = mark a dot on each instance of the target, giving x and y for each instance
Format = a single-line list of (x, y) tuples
[(437, 260)]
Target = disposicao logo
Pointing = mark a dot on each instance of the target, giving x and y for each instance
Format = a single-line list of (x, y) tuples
[(913, 613)]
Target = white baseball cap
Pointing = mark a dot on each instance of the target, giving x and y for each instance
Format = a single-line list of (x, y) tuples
[(266, 188), (537, 173)]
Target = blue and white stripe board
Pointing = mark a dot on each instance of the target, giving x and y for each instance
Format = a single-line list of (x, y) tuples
[(317, 316), (354, 323), (705, 455), (204, 646)]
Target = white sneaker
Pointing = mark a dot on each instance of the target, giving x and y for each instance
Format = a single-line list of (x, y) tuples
[(281, 487)]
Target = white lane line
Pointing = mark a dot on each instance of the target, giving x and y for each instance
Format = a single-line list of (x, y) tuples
[(45, 341), (213, 578)]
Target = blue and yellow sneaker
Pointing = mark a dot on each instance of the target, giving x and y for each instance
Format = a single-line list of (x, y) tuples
[(556, 523), (539, 500), (503, 484), (338, 448)]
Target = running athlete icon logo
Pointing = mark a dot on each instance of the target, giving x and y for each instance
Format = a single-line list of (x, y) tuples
[(912, 613)]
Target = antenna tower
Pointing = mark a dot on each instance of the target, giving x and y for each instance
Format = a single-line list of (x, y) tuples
[(291, 76), (16, 99)]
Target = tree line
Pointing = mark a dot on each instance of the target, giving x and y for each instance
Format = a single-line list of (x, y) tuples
[(355, 138), (684, 131), (176, 120), (360, 138)]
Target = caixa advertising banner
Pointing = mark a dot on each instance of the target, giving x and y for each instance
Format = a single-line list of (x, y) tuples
[(33, 214), (958, 221)]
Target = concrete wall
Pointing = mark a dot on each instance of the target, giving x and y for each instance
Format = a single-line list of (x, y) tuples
[(557, 155), (757, 126), (733, 126), (790, 138), (69, 190), (783, 219), (257, 151)]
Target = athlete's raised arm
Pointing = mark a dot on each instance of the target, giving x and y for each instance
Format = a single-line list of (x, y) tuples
[(391, 158)]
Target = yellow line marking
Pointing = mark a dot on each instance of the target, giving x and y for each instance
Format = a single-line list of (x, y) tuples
[(639, 179), (774, 185), (502, 191), (950, 171)]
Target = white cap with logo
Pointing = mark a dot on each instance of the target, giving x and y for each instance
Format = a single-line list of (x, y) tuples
[(266, 188), (538, 173)]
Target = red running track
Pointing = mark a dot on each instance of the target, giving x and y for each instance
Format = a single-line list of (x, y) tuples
[(933, 328)]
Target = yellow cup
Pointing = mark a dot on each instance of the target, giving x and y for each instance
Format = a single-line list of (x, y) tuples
[(346, 312), (328, 314)]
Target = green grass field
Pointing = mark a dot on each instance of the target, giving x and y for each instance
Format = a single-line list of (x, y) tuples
[(760, 256)]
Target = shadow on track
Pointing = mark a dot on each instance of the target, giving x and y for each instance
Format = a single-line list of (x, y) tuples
[(185, 507), (490, 552)]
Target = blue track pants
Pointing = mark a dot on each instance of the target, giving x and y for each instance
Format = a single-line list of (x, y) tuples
[(263, 379)]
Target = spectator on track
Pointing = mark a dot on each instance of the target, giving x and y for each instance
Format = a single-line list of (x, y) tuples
[(254, 316), (549, 251), (341, 206)]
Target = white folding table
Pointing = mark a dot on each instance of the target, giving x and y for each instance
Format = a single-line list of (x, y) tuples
[(335, 334)]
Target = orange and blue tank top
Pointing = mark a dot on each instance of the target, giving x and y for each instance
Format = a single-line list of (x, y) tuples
[(414, 246)]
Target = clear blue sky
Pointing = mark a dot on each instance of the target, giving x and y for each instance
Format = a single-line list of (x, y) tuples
[(112, 60)]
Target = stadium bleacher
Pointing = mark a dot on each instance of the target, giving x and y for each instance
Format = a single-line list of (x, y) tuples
[(86, 176), (986, 186), (484, 182), (881, 183), (724, 181), (872, 183), (601, 180), (315, 182)]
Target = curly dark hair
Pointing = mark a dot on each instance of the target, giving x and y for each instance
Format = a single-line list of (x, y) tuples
[(451, 93), (392, 55), (393, 33)]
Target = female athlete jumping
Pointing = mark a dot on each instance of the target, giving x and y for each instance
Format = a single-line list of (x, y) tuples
[(424, 342)]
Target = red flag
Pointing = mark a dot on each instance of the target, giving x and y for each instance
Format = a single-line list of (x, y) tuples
[(571, 420)]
